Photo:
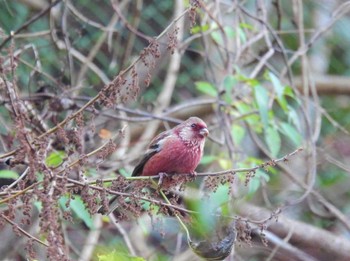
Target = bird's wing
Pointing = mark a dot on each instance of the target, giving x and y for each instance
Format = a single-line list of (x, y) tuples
[(154, 147)]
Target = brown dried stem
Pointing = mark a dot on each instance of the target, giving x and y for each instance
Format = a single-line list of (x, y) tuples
[(25, 233)]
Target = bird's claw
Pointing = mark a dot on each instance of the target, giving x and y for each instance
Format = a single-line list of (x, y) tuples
[(193, 174), (162, 175)]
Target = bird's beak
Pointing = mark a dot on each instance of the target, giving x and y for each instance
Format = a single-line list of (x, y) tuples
[(204, 132)]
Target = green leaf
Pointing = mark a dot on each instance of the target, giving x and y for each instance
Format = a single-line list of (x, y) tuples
[(220, 197), (262, 175), (250, 81), (201, 223), (55, 158), (225, 163), (331, 176), (78, 208), (273, 140), (283, 103), (229, 32), (253, 186), (8, 174), (238, 133), (124, 173), (206, 88), (217, 37), (255, 182), (118, 256), (288, 91), (14, 16), (242, 35), (288, 130), (229, 82), (243, 107), (247, 26), (204, 220), (262, 100), (294, 118), (279, 89), (251, 162), (207, 159), (199, 28), (38, 205), (252, 119)]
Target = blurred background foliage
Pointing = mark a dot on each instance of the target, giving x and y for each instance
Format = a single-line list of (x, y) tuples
[(232, 73)]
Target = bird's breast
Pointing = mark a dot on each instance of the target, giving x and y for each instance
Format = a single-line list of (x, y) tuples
[(174, 157)]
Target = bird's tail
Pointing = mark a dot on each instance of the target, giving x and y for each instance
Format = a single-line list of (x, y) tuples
[(112, 205)]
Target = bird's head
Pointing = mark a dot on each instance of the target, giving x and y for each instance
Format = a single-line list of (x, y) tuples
[(193, 129)]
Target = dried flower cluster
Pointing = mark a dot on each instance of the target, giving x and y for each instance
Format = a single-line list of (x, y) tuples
[(195, 4), (172, 40)]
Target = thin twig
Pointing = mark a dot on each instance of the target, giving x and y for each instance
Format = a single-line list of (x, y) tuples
[(124, 234), (233, 171), (203, 174), (18, 179), (29, 22), (91, 240), (23, 231), (98, 96)]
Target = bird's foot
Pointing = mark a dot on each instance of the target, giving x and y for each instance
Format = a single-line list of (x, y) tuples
[(162, 175), (193, 174)]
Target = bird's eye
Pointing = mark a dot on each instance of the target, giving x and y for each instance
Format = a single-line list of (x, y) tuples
[(193, 125)]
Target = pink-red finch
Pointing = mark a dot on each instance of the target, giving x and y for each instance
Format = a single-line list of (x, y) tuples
[(175, 151)]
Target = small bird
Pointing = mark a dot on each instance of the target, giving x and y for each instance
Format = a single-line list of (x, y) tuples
[(175, 151)]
